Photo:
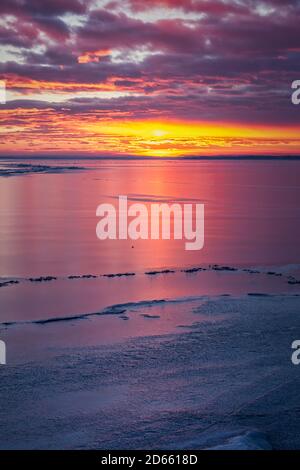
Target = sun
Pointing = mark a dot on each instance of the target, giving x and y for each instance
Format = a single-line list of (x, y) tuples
[(159, 133)]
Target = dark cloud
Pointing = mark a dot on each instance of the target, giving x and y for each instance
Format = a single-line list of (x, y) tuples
[(36, 16), (249, 105), (238, 59), (43, 7)]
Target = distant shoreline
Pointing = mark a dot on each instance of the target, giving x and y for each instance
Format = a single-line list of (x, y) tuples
[(132, 157)]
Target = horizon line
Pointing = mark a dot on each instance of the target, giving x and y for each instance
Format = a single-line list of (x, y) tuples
[(137, 157)]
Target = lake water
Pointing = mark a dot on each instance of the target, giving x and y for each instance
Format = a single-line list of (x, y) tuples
[(142, 344), (48, 221)]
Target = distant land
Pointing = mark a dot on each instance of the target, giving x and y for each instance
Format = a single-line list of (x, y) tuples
[(136, 157)]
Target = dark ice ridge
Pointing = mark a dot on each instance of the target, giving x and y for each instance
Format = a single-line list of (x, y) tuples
[(15, 169), (118, 309), (192, 270), (8, 283)]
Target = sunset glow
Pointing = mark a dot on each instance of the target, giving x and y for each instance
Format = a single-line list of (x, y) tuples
[(141, 138), (162, 78)]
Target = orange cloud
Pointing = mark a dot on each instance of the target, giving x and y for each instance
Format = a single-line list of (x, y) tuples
[(48, 131), (93, 56)]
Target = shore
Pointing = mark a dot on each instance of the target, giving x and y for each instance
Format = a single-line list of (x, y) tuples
[(188, 371), (121, 345)]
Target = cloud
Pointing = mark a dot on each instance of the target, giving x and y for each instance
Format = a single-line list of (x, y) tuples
[(165, 59)]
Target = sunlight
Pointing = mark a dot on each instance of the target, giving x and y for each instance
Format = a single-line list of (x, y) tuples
[(159, 133), (177, 138)]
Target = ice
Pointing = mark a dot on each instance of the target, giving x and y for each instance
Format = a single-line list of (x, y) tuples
[(225, 382)]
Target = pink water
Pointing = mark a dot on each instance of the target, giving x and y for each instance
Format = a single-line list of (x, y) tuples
[(48, 221)]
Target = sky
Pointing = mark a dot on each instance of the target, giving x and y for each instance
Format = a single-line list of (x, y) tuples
[(164, 78)]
